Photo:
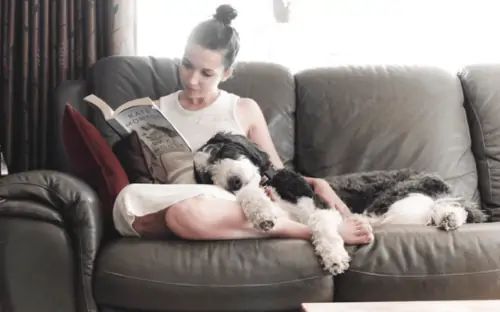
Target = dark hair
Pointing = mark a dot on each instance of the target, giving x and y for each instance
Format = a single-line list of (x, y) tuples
[(217, 34)]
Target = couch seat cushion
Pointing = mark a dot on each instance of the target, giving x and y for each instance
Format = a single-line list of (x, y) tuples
[(407, 263), (177, 275)]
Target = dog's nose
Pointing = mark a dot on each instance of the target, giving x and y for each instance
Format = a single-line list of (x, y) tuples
[(234, 184)]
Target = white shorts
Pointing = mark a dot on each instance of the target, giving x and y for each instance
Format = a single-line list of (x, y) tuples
[(137, 200)]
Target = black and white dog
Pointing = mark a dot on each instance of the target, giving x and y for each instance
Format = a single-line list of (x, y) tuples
[(383, 197)]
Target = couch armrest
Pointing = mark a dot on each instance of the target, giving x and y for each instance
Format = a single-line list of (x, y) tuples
[(65, 201)]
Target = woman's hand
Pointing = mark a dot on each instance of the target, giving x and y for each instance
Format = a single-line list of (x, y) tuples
[(269, 193), (323, 189)]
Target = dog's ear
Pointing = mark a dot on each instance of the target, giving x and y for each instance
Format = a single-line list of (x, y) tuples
[(203, 177), (257, 156), (222, 137), (243, 146), (234, 145), (202, 174)]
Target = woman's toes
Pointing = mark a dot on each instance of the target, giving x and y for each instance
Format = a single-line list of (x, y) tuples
[(362, 232), (370, 238), (358, 222)]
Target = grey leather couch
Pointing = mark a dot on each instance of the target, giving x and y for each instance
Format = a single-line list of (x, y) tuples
[(55, 254)]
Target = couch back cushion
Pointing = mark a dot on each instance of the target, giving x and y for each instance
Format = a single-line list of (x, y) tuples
[(118, 79), (481, 84), (356, 118)]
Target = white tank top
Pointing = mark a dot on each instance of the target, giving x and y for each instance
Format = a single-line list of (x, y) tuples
[(196, 127)]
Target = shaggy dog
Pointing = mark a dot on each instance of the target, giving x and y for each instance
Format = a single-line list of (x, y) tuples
[(382, 197)]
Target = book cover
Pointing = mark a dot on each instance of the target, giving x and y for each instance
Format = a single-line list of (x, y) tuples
[(144, 117)]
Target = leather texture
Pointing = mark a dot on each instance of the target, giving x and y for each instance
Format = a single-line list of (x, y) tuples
[(93, 161), (246, 275), (336, 120), (273, 88), (36, 261), (72, 92), (354, 119), (481, 85), (119, 79), (63, 203), (407, 263)]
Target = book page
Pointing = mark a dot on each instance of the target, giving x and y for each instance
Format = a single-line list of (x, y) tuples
[(153, 128), (136, 102), (106, 111)]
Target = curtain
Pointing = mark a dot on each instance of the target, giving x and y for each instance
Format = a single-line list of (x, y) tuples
[(42, 43)]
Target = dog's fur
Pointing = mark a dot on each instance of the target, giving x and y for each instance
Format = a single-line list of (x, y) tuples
[(382, 197)]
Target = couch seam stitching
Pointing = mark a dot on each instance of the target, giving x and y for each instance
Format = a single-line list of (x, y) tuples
[(480, 126), (38, 185), (211, 285), (85, 290), (424, 275)]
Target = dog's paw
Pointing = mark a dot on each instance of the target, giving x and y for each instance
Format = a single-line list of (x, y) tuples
[(266, 225), (336, 262), (257, 207), (449, 221), (264, 221), (449, 216), (334, 257)]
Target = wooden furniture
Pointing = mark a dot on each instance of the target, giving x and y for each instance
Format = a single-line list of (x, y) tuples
[(405, 306)]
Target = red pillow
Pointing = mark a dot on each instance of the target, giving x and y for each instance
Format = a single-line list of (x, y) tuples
[(92, 159)]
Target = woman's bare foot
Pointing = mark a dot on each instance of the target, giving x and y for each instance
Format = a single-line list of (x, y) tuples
[(356, 231)]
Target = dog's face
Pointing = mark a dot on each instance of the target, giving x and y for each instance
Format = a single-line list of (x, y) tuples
[(230, 161)]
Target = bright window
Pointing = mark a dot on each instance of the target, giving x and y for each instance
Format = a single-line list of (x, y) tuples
[(447, 33)]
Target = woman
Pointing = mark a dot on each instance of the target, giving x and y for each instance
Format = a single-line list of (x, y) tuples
[(199, 111)]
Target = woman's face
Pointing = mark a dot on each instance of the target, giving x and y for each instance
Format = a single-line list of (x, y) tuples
[(201, 71)]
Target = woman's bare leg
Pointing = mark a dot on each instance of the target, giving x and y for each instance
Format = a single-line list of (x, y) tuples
[(212, 218)]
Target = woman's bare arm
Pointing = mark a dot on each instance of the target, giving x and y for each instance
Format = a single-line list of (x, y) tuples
[(258, 132), (257, 129)]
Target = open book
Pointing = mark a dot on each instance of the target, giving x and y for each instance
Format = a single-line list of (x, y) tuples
[(144, 117)]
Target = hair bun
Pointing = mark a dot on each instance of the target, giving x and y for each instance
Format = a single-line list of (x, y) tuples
[(225, 14)]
